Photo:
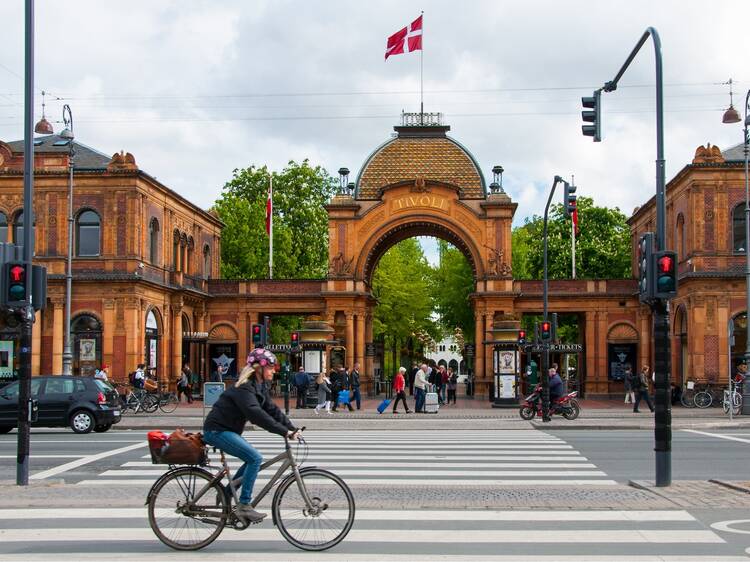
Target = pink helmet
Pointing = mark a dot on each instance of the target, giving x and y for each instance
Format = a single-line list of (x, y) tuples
[(262, 357)]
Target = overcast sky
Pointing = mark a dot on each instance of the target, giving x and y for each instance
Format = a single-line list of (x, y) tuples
[(195, 89)]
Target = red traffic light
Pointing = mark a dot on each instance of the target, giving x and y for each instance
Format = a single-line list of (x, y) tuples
[(546, 326), (295, 337), (17, 273), (666, 264), (256, 330), (522, 334)]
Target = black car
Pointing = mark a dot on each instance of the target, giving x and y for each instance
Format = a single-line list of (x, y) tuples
[(83, 403)]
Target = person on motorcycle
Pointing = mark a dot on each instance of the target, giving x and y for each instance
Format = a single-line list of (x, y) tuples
[(247, 400), (556, 389)]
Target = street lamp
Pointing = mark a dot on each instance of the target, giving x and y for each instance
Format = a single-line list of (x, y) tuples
[(731, 116), (67, 133), (343, 180)]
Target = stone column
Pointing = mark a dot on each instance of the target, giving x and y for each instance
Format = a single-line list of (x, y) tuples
[(58, 334), (368, 366), (135, 324), (479, 349), (36, 344), (349, 338), (601, 352), (592, 372), (108, 329), (176, 332), (360, 338)]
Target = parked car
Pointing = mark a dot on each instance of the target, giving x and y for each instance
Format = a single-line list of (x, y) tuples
[(82, 403)]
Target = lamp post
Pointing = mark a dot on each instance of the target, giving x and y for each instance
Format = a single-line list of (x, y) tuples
[(67, 133), (731, 116)]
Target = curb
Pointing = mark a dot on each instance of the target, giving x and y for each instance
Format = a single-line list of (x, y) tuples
[(731, 486)]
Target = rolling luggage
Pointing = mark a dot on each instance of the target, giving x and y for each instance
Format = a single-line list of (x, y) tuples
[(383, 405), (431, 401)]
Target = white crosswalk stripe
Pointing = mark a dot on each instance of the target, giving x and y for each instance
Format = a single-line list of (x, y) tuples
[(420, 458), (581, 536)]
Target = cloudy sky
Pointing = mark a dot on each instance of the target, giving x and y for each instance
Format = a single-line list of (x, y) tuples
[(195, 89)]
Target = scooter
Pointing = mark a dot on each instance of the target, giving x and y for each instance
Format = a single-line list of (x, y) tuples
[(567, 405)]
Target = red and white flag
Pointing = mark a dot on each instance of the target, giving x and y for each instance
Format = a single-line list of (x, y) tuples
[(409, 37), (269, 207), (575, 222)]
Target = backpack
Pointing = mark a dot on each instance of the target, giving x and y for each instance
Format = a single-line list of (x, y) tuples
[(131, 378)]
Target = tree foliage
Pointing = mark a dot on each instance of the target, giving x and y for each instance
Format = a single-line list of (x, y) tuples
[(602, 247), (453, 283), (300, 222)]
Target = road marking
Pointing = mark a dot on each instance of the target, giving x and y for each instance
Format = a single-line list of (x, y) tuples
[(569, 456), (426, 472), (395, 482), (423, 536), (33, 456), (465, 465), (717, 435), (333, 556), (82, 461), (726, 526)]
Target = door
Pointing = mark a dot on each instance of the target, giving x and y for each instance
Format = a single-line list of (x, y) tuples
[(9, 402), (56, 399)]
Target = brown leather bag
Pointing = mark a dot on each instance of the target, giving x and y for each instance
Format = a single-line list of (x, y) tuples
[(184, 448)]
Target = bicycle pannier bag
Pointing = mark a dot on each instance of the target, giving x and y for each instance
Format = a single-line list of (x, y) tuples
[(183, 448), (149, 384)]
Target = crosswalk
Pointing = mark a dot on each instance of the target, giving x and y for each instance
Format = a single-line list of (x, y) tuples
[(408, 458), (31, 535)]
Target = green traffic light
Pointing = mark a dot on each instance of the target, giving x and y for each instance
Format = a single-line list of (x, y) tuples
[(665, 284), (17, 292)]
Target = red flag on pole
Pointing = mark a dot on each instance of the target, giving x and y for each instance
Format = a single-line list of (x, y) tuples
[(269, 208), (409, 37), (575, 221)]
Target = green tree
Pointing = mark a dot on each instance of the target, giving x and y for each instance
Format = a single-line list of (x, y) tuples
[(602, 247), (453, 283), (300, 222)]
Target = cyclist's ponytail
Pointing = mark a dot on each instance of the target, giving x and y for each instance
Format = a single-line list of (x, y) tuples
[(245, 375)]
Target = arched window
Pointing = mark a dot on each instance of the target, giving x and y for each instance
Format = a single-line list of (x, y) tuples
[(18, 228), (153, 241), (206, 262), (738, 228), (680, 238), (190, 250), (87, 344), (87, 234), (176, 250), (3, 227)]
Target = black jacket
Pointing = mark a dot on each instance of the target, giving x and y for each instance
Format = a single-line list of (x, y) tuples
[(355, 379), (249, 402)]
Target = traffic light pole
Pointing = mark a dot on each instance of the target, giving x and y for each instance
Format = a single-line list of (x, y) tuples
[(660, 307), (24, 387)]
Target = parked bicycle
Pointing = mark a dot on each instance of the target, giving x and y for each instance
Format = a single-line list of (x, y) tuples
[(139, 400), (732, 398), (188, 507), (687, 398)]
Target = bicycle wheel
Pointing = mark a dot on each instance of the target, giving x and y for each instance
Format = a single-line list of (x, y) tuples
[(133, 404), (150, 403), (168, 403), (688, 399), (331, 516), (703, 399), (176, 520)]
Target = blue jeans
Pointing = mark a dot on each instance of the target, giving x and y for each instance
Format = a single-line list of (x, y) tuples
[(419, 399), (357, 396), (235, 445)]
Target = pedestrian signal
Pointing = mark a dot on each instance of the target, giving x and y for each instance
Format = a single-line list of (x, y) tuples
[(522, 337), (666, 274), (15, 284), (546, 330), (258, 335)]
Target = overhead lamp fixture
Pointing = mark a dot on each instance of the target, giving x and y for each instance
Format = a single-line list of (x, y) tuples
[(497, 182), (730, 115), (44, 127), (343, 179)]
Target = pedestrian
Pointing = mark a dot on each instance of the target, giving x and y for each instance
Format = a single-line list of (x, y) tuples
[(412, 376), (354, 378), (452, 385), (443, 384), (628, 385), (341, 383), (399, 386), (139, 376), (740, 375), (187, 375), (195, 383), (420, 388), (183, 387), (101, 374), (641, 390), (301, 382), (324, 393)]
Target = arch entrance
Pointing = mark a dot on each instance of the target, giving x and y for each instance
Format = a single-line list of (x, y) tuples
[(419, 183)]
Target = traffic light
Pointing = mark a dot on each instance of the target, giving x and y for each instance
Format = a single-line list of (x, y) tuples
[(593, 115), (546, 330), (569, 199), (258, 335), (15, 284), (521, 337), (295, 340), (645, 267), (665, 265)]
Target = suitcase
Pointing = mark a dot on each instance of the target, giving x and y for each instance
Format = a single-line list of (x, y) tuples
[(431, 402), (383, 405)]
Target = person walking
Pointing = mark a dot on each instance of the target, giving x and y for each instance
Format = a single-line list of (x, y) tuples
[(139, 376), (399, 387), (412, 376), (452, 386), (420, 388), (183, 387), (442, 384), (324, 393), (354, 377), (301, 382), (641, 390), (187, 376), (101, 374), (628, 385), (341, 383)]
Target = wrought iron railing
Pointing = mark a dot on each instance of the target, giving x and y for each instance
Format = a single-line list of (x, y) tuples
[(421, 119)]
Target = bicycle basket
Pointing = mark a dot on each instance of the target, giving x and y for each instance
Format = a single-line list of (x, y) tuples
[(177, 448)]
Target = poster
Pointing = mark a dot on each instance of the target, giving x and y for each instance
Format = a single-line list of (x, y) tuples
[(6, 359), (508, 386), (621, 355), (152, 353), (507, 362), (87, 350), (312, 361)]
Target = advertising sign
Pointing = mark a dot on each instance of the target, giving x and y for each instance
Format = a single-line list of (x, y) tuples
[(87, 350), (211, 393), (507, 386), (6, 359)]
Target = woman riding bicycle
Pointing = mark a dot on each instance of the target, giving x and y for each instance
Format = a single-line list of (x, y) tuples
[(247, 401)]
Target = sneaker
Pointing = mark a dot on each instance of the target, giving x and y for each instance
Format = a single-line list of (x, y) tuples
[(245, 511), (395, 412), (317, 412)]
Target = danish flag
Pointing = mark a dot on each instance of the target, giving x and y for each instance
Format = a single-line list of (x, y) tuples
[(269, 208), (411, 36)]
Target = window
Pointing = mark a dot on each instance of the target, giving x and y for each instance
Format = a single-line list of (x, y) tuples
[(3, 227), (18, 228), (87, 234), (61, 143), (680, 238), (12, 389), (59, 386), (153, 253), (738, 228), (206, 261), (190, 249), (176, 251)]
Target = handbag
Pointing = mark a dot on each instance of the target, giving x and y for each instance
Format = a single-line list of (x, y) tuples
[(343, 397), (182, 448)]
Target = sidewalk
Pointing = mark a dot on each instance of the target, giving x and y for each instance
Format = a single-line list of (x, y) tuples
[(467, 413)]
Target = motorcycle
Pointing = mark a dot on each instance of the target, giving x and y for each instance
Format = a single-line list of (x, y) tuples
[(567, 405)]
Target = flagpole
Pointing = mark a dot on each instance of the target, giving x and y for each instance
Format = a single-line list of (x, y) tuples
[(270, 229), (573, 237), (421, 74)]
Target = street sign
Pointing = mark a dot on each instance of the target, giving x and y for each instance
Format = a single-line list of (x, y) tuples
[(469, 350), (555, 348), (211, 393), (369, 349)]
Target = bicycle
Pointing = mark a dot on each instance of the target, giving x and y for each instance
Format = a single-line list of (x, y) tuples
[(704, 398), (687, 398), (140, 400), (188, 506), (166, 401), (733, 397)]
